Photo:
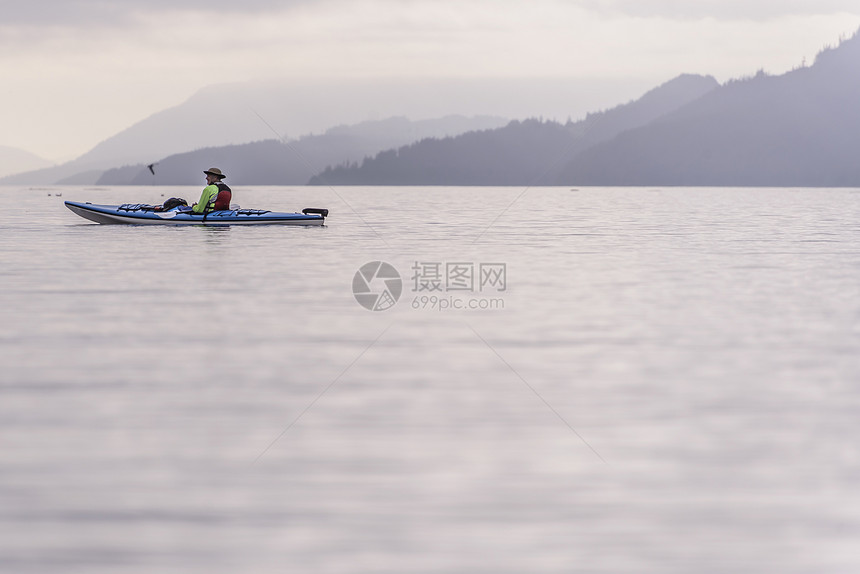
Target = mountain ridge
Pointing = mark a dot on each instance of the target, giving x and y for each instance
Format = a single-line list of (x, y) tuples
[(276, 162), (526, 152), (796, 129)]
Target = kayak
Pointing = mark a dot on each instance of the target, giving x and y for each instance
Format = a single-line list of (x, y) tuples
[(143, 214)]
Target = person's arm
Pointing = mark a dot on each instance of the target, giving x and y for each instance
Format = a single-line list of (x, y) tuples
[(208, 191)]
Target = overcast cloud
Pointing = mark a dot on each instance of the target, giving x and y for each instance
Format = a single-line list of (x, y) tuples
[(85, 13), (77, 71), (723, 9)]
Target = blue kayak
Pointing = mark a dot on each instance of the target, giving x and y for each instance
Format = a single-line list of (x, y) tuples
[(143, 214)]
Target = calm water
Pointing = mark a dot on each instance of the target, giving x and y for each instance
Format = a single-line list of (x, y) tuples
[(669, 382)]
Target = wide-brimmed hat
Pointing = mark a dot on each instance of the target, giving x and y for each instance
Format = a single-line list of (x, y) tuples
[(216, 172)]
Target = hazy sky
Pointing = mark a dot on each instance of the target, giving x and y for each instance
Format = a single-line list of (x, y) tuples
[(75, 72)]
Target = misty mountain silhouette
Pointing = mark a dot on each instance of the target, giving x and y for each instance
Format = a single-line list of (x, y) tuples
[(801, 128), (530, 152), (274, 162), (236, 113), (796, 129), (14, 160)]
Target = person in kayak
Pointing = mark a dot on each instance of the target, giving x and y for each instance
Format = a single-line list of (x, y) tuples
[(216, 195)]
